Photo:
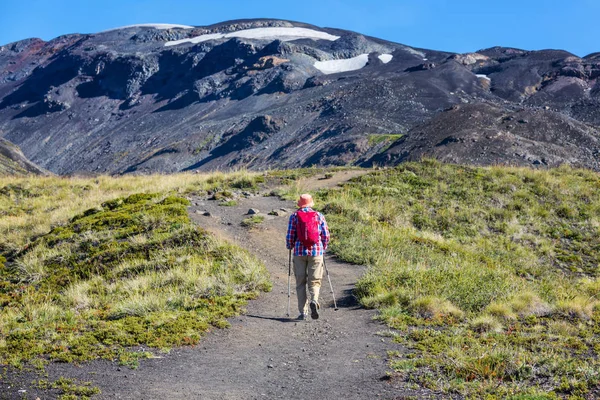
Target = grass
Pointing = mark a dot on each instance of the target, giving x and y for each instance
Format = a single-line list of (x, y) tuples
[(375, 139), (8, 166), (253, 220), (91, 267), (69, 389), (32, 206), (490, 275), (133, 271)]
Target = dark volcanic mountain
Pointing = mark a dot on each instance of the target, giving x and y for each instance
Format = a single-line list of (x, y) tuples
[(271, 93)]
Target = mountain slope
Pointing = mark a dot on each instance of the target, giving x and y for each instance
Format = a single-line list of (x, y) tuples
[(484, 134), (270, 93), (13, 162)]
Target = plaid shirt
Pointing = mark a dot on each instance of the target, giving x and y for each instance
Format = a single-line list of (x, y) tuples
[(299, 249)]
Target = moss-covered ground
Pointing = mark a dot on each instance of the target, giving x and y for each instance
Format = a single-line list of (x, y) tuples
[(489, 276)]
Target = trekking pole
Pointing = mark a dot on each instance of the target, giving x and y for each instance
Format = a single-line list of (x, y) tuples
[(289, 275), (330, 285)]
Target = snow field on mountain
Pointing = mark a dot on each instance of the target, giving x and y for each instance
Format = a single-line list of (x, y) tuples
[(348, 64), (157, 26), (385, 58), (415, 52), (284, 34)]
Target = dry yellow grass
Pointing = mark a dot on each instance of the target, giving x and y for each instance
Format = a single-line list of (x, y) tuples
[(52, 201)]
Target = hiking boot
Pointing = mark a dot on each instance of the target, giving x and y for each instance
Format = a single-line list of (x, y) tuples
[(302, 317), (314, 310)]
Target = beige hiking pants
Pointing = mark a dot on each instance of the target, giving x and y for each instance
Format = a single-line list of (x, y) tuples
[(307, 269)]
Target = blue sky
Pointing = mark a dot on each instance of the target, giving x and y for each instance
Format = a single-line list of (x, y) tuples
[(459, 26)]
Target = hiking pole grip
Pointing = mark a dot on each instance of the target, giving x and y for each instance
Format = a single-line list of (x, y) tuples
[(289, 276), (335, 307)]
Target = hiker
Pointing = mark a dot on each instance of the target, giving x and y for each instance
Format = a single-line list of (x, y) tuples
[(308, 235)]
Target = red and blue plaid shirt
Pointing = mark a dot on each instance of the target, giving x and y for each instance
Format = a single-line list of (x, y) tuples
[(301, 250)]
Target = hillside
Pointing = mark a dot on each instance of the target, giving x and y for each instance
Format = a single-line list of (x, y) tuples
[(486, 277), (271, 94), (13, 162), (71, 249)]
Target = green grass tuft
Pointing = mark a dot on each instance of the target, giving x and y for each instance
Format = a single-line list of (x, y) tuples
[(69, 388), (434, 308), (253, 220), (486, 323)]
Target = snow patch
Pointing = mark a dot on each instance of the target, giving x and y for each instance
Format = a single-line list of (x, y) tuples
[(157, 26), (415, 52), (482, 76), (385, 58), (284, 34), (349, 64)]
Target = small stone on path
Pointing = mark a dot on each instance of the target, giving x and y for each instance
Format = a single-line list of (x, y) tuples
[(253, 211)]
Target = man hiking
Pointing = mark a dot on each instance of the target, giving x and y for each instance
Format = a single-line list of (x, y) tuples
[(308, 235)]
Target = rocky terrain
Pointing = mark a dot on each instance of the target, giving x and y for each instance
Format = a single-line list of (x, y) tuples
[(13, 162), (270, 94)]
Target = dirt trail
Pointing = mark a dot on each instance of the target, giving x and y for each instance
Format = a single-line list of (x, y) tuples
[(318, 181), (265, 355)]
